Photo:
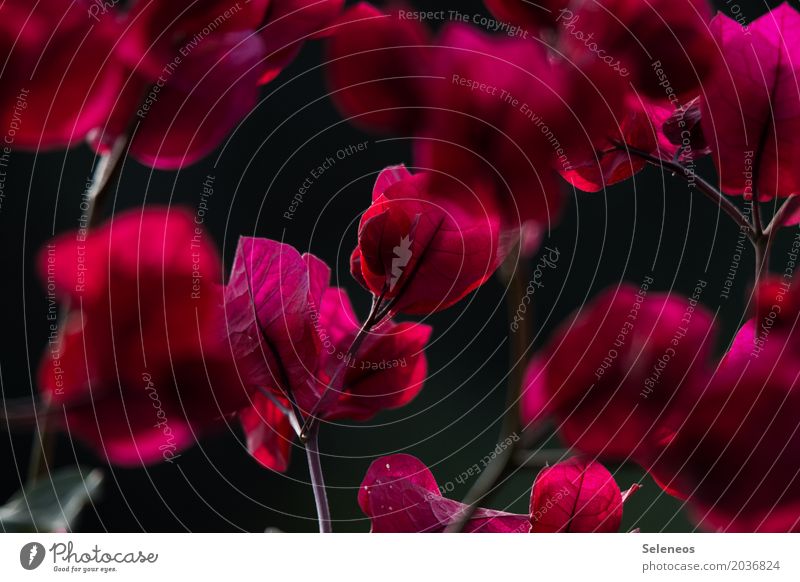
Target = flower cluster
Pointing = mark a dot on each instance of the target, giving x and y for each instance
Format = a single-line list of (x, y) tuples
[(399, 494), (178, 79), (505, 115), (293, 335), (632, 378)]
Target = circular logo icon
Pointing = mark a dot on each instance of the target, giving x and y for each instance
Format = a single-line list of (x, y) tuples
[(31, 555)]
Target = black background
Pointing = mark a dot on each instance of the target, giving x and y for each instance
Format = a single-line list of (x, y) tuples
[(650, 225)]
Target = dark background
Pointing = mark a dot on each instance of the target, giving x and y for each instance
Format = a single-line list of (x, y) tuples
[(650, 225)]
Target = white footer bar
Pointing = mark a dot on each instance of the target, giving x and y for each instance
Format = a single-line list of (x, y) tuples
[(407, 558)]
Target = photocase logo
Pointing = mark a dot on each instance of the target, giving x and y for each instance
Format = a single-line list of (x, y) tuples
[(31, 555), (402, 255)]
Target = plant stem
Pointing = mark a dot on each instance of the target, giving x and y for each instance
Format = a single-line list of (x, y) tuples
[(777, 221), (498, 468), (763, 246), (42, 448), (105, 172), (375, 316), (757, 223), (309, 434), (317, 480), (703, 185)]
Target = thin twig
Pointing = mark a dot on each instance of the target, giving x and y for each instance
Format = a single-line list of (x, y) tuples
[(762, 247), (703, 185), (105, 172), (108, 168), (372, 320), (777, 220), (757, 223), (497, 469)]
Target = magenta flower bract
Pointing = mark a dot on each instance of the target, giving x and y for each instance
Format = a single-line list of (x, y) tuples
[(59, 81), (143, 368), (640, 127), (732, 454), (532, 16), (288, 24), (663, 47), (192, 74), (751, 115), (614, 372), (577, 496), (683, 130), (425, 241), (470, 130), (729, 452), (400, 495), (376, 68), (270, 298)]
